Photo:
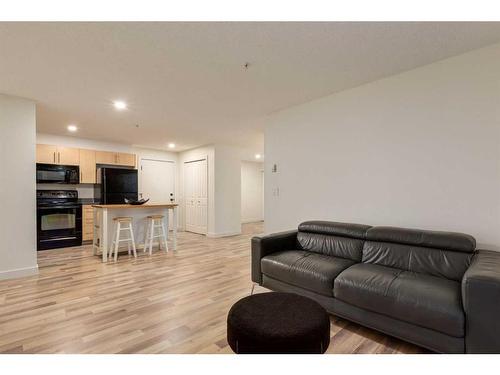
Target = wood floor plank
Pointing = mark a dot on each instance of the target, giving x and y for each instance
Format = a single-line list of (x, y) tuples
[(166, 303)]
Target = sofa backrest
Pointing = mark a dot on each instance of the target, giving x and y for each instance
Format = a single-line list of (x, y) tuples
[(335, 239), (444, 254)]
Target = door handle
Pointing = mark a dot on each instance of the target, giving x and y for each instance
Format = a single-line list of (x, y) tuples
[(54, 156)]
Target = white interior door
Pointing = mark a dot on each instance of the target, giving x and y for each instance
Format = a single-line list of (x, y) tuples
[(157, 181), (196, 196)]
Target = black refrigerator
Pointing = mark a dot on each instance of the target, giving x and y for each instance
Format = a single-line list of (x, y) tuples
[(116, 184)]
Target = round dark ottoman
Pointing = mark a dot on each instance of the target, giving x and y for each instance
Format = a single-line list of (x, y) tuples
[(278, 323)]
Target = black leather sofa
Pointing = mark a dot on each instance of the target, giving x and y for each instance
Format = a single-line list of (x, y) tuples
[(433, 289)]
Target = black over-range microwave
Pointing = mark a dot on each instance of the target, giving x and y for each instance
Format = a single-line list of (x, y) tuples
[(57, 174)]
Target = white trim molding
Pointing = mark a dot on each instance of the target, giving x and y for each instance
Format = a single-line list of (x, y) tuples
[(252, 220), (19, 272), (228, 234)]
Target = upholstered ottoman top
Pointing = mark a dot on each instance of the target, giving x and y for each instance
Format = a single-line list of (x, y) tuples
[(278, 323)]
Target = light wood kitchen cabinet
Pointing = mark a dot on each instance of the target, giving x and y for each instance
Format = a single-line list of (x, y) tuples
[(68, 156), (115, 158), (49, 154), (87, 166), (86, 159), (46, 154), (105, 157), (126, 159), (87, 223)]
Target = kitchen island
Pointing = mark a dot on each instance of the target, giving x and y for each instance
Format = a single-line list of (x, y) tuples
[(103, 220)]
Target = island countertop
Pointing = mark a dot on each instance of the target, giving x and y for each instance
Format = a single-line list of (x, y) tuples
[(145, 205)]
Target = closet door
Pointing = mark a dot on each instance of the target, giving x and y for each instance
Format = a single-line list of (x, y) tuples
[(196, 196)]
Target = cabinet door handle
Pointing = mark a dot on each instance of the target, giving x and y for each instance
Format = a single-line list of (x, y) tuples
[(54, 156)]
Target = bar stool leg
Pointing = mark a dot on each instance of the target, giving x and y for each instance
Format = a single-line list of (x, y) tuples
[(146, 235), (133, 241), (159, 239), (167, 225), (164, 237), (117, 243), (110, 250), (151, 236)]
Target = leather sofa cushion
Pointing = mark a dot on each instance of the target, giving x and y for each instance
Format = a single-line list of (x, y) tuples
[(448, 264), (343, 247), (426, 238), (423, 300), (314, 272), (335, 228)]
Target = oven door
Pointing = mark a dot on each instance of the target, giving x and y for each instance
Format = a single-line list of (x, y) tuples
[(59, 226), (57, 174)]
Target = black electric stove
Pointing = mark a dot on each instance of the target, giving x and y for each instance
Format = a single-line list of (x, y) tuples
[(59, 219)]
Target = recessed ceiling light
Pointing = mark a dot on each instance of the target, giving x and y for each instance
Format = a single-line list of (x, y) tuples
[(258, 156), (72, 128), (171, 145), (120, 105)]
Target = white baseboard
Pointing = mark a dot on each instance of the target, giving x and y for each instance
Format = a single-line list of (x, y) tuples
[(19, 272), (251, 220), (227, 234)]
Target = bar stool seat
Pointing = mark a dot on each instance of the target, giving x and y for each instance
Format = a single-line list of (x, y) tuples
[(122, 224), (122, 218), (156, 223)]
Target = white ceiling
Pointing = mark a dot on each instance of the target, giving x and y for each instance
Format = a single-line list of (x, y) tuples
[(185, 82)]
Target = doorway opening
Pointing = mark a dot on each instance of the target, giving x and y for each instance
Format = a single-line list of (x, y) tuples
[(252, 192)]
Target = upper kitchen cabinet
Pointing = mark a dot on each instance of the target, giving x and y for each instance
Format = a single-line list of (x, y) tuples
[(105, 157), (115, 158), (126, 159), (48, 154), (68, 156), (87, 166)]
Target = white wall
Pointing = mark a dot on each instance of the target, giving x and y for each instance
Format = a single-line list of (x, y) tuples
[(419, 149), (252, 191), (227, 191), (17, 188)]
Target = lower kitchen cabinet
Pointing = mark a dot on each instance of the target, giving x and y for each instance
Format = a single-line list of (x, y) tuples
[(87, 223)]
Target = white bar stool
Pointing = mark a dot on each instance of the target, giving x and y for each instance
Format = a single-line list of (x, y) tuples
[(155, 223), (122, 224)]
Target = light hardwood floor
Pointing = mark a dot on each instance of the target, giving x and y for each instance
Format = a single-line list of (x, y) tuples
[(167, 303)]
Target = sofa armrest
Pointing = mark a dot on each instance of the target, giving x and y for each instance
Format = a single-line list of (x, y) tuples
[(481, 301), (265, 245)]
